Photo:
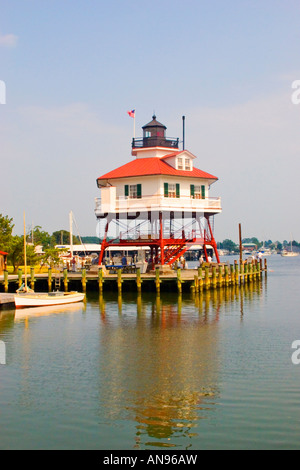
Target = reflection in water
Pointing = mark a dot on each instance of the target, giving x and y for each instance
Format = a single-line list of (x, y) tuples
[(35, 312), (147, 366), (161, 365)]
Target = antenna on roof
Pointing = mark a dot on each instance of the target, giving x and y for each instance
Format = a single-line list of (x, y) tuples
[(183, 132)]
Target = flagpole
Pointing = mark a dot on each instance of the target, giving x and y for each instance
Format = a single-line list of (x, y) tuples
[(134, 126)]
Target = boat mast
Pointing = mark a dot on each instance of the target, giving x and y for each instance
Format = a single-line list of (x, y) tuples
[(25, 256), (71, 233)]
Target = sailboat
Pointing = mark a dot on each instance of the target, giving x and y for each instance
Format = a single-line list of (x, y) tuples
[(26, 297), (289, 253)]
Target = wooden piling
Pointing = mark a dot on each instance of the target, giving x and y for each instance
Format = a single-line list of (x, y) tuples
[(32, 278), (214, 277), (66, 280), (250, 269), (179, 282), (200, 279), (265, 267), (5, 274), (220, 276), (100, 279), (196, 283), (244, 273), (138, 279), (49, 279), (232, 277), (83, 279), (207, 280), (157, 280), (119, 280), (236, 269), (226, 276)]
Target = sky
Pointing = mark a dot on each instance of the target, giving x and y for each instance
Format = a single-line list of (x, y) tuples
[(73, 68)]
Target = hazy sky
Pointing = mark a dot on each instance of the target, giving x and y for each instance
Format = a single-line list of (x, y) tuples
[(73, 68)]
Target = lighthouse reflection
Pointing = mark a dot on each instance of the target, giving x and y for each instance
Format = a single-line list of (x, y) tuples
[(162, 363)]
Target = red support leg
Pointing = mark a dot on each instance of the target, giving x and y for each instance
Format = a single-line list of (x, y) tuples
[(212, 241), (103, 244), (161, 242)]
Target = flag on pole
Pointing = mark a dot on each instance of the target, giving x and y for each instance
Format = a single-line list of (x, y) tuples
[(131, 113)]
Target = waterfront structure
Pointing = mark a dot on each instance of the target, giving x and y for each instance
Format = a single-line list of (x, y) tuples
[(158, 200), (3, 261)]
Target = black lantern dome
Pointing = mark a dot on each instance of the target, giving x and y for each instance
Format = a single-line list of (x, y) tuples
[(154, 136)]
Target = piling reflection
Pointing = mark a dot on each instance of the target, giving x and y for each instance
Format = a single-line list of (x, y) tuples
[(162, 366)]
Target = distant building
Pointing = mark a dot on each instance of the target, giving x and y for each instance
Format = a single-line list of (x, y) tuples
[(3, 261), (249, 247)]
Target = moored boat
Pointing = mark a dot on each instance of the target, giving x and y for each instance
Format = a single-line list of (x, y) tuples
[(289, 253), (36, 299)]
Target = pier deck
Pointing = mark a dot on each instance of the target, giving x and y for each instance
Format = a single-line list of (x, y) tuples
[(207, 277), (6, 300)]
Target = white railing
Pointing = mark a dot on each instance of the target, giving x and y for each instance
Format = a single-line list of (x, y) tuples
[(148, 203)]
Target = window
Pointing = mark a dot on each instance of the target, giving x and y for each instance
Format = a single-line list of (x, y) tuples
[(133, 191), (171, 190), (187, 164), (179, 164), (197, 191)]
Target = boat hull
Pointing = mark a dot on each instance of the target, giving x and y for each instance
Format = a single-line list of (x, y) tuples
[(290, 255), (23, 300)]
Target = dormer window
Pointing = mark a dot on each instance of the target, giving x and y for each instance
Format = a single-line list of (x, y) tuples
[(179, 164), (187, 164)]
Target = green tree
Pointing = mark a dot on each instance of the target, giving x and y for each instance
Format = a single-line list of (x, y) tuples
[(62, 237), (16, 252), (6, 228), (39, 237), (51, 256), (229, 245)]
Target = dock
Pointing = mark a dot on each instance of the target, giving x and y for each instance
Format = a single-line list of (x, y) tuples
[(209, 276), (7, 300)]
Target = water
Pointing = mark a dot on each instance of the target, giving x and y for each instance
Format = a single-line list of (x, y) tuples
[(205, 372)]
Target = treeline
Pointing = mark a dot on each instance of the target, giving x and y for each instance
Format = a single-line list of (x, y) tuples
[(14, 244), (273, 245)]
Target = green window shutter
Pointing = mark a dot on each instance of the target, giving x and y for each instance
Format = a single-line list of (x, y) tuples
[(203, 192), (139, 191), (192, 190), (126, 190), (166, 189), (177, 190)]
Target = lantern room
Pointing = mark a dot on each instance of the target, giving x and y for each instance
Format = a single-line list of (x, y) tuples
[(154, 136)]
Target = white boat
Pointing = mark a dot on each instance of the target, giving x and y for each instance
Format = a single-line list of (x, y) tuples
[(289, 253), (36, 299), (26, 297)]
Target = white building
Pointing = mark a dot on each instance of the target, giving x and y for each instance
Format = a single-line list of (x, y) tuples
[(159, 197)]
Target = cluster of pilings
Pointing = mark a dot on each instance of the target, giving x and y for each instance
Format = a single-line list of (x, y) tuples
[(208, 276)]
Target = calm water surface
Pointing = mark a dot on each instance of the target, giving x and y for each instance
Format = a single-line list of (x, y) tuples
[(212, 371)]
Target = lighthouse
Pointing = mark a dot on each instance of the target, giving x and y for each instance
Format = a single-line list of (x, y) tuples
[(159, 200)]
